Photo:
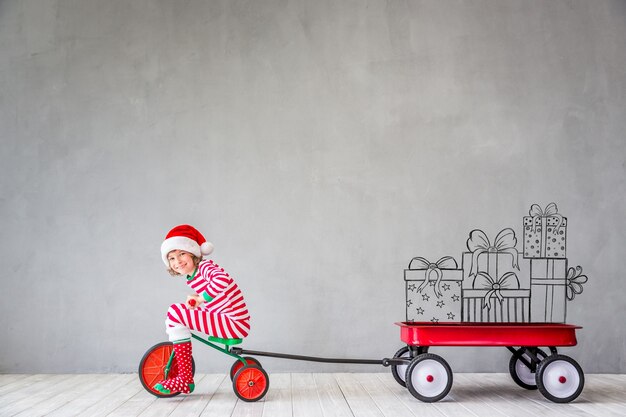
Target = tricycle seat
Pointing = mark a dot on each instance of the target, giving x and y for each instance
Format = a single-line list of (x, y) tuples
[(227, 342)]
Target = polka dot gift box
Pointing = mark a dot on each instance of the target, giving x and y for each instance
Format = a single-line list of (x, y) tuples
[(545, 233)]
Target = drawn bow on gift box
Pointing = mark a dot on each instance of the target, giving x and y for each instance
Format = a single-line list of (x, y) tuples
[(478, 243), (447, 262), (575, 281), (550, 211), (484, 281)]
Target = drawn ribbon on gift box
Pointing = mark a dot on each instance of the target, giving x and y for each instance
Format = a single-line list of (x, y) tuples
[(483, 281), (447, 262), (478, 243), (550, 211), (575, 281)]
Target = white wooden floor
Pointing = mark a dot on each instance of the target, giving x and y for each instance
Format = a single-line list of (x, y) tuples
[(299, 395)]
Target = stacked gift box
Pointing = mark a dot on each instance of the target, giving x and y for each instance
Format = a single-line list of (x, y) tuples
[(491, 285), (433, 290), (491, 270)]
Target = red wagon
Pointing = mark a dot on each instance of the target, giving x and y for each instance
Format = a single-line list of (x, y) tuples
[(429, 377)]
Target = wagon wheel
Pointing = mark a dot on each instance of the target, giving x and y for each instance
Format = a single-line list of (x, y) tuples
[(429, 377), (251, 383), (238, 365), (559, 378), (520, 372), (153, 365), (399, 371)]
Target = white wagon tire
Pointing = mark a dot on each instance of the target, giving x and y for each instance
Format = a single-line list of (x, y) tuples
[(399, 371), (560, 379), (522, 374), (429, 377)]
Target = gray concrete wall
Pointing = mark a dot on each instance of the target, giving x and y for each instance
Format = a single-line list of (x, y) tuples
[(319, 145)]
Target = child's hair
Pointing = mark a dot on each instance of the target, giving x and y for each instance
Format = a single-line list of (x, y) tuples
[(196, 261)]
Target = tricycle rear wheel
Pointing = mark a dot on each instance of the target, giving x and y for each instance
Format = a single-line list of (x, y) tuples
[(251, 383), (237, 365)]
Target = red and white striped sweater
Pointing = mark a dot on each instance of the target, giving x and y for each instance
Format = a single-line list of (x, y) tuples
[(221, 293)]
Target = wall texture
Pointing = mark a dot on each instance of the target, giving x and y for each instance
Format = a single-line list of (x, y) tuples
[(319, 145)]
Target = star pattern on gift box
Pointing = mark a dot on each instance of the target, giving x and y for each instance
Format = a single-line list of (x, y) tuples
[(455, 298), (409, 303), (459, 283), (440, 304), (446, 287), (450, 316), (419, 310), (434, 320), (425, 297), (411, 287)]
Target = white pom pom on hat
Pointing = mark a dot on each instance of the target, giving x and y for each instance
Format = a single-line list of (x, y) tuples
[(186, 238)]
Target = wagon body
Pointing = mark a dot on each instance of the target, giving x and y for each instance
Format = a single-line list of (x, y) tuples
[(487, 334)]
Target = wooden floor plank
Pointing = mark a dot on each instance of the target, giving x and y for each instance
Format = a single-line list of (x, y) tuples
[(503, 397), (473, 399), (84, 384), (20, 400), (114, 398), (194, 405), (20, 383), (248, 409), (11, 378), (305, 400), (300, 395), (360, 402), (332, 401), (403, 395), (383, 398), (136, 404), (222, 402), (78, 404), (278, 402), (503, 385)]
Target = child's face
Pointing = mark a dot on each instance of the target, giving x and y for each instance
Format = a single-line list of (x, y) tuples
[(181, 262)]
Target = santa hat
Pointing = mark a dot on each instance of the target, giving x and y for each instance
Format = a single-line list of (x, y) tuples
[(186, 238)]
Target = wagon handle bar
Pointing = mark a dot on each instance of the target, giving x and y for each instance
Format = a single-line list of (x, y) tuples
[(383, 362)]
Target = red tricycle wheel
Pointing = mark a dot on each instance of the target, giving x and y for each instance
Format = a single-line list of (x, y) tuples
[(238, 365), (152, 367), (251, 383)]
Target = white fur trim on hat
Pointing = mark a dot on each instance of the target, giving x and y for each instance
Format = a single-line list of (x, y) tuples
[(180, 243)]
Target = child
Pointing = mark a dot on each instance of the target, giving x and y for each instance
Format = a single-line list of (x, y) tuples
[(219, 308)]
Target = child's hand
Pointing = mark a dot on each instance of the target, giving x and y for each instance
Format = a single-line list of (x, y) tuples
[(194, 301)]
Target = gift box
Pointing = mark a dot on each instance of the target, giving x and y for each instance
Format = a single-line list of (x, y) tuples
[(545, 233), (495, 259), (433, 290), (498, 300), (549, 281)]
